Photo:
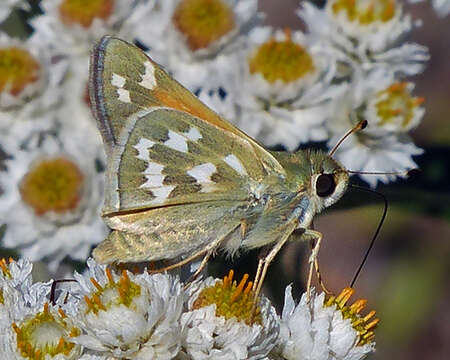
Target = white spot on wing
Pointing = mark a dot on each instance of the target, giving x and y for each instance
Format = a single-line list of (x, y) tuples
[(124, 95), (142, 147), (176, 142), (162, 193), (202, 173), (193, 134), (153, 181), (154, 175), (117, 80), (153, 169), (148, 79), (235, 163)]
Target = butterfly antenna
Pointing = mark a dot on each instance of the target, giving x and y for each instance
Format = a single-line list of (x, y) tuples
[(404, 173), (407, 173), (361, 125), (377, 231)]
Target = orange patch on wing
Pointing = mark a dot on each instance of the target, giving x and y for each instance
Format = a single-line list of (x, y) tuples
[(190, 104)]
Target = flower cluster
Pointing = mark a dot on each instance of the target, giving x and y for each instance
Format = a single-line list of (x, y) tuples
[(282, 86), (111, 315)]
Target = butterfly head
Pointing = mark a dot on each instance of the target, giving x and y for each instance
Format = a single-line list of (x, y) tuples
[(315, 172), (328, 180)]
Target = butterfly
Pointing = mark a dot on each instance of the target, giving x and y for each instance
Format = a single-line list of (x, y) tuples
[(183, 182)]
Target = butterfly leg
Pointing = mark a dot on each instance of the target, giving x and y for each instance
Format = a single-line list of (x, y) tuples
[(313, 258), (258, 273), (316, 265), (180, 263), (319, 277), (262, 254), (264, 263), (311, 236), (200, 268)]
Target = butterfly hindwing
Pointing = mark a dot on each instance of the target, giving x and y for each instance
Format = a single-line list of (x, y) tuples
[(148, 235), (172, 231)]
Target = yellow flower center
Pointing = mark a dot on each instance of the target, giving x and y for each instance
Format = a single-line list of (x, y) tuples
[(396, 101), (18, 68), (52, 185), (114, 293), (45, 334), (231, 300), (203, 21), (281, 60), (364, 325), (83, 12), (365, 12)]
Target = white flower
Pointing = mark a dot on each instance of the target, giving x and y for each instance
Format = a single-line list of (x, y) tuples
[(16, 273), (74, 114), (15, 281), (197, 40), (73, 27), (384, 146), (30, 86), (226, 329), (34, 328), (393, 153), (8, 297), (393, 109), (6, 6), (40, 330), (283, 89), (366, 34), (132, 316), (52, 198), (324, 329)]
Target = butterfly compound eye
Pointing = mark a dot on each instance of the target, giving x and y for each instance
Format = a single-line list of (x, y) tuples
[(325, 185)]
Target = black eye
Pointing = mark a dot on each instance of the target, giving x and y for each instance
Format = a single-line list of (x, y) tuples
[(325, 185)]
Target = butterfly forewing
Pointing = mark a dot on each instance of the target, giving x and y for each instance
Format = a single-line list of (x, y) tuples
[(164, 146), (124, 81), (114, 90), (171, 157)]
